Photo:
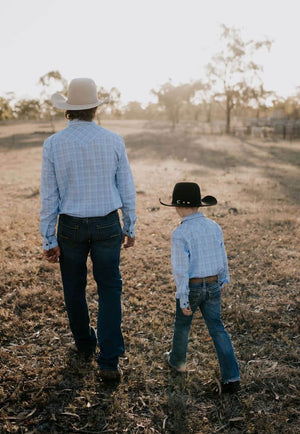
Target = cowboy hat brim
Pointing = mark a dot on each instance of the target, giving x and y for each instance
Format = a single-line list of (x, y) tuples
[(206, 201), (60, 102)]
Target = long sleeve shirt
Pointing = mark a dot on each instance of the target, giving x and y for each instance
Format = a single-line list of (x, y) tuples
[(197, 250), (85, 173)]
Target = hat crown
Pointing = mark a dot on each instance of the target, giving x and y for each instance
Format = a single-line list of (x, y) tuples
[(186, 194), (82, 91)]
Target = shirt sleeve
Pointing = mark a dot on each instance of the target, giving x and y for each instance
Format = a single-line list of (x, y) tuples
[(180, 266), (224, 275), (49, 199), (126, 188)]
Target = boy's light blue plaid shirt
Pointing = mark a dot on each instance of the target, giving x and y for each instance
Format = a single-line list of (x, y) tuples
[(85, 173), (197, 250)]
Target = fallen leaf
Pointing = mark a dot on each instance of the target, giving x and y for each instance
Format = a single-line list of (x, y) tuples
[(236, 419), (66, 413)]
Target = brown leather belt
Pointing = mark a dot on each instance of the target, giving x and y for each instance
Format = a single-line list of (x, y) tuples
[(209, 279)]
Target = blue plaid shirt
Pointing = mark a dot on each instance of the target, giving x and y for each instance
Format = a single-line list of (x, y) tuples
[(85, 173), (197, 250)]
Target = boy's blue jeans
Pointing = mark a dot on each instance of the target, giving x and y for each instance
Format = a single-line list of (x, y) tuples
[(102, 238), (206, 296)]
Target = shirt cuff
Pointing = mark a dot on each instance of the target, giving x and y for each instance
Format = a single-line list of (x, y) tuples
[(50, 243), (223, 279), (129, 232), (184, 301)]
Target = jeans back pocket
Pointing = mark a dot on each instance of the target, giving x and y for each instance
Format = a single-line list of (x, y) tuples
[(213, 292), (194, 297), (66, 232), (106, 232)]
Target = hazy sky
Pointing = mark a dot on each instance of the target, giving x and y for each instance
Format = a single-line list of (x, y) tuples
[(136, 45)]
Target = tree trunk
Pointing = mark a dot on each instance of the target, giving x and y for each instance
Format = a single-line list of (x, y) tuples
[(228, 113), (208, 114), (173, 120), (196, 115), (52, 123)]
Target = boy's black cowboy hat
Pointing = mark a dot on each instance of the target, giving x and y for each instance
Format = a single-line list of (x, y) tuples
[(187, 194)]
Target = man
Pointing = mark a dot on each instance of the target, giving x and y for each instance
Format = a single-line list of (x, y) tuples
[(85, 179)]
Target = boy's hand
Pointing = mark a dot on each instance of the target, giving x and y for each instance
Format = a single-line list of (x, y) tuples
[(129, 241), (52, 255), (187, 311)]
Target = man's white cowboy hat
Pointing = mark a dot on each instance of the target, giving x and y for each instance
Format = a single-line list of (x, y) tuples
[(82, 95)]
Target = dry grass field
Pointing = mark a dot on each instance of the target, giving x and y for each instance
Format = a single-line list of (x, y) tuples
[(45, 388)]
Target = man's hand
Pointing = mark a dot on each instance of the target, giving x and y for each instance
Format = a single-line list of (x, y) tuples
[(129, 241), (52, 255), (187, 311)]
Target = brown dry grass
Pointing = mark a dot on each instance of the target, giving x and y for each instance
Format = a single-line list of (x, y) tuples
[(45, 388)]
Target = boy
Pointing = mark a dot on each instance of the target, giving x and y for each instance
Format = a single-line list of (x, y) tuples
[(200, 271)]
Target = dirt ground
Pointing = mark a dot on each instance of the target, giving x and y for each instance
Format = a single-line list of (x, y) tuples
[(46, 388)]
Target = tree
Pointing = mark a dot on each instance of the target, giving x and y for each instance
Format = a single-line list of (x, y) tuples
[(49, 82), (173, 98), (234, 69), (114, 102), (6, 111), (289, 106), (28, 109), (112, 98), (134, 110), (202, 100), (258, 98), (153, 111), (53, 77)]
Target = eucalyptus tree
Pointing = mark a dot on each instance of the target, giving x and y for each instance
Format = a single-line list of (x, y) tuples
[(233, 68), (6, 111), (52, 80), (112, 99), (202, 100), (28, 109), (173, 98)]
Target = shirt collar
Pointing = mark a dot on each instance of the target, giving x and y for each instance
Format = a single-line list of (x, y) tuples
[(196, 215), (79, 122)]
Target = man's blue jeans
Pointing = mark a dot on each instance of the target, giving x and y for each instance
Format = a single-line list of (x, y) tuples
[(102, 238), (206, 296)]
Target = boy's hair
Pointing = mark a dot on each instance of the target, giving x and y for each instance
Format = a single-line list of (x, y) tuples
[(82, 115), (188, 207)]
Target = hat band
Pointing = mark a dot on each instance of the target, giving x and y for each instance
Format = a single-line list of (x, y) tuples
[(76, 102), (181, 202)]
